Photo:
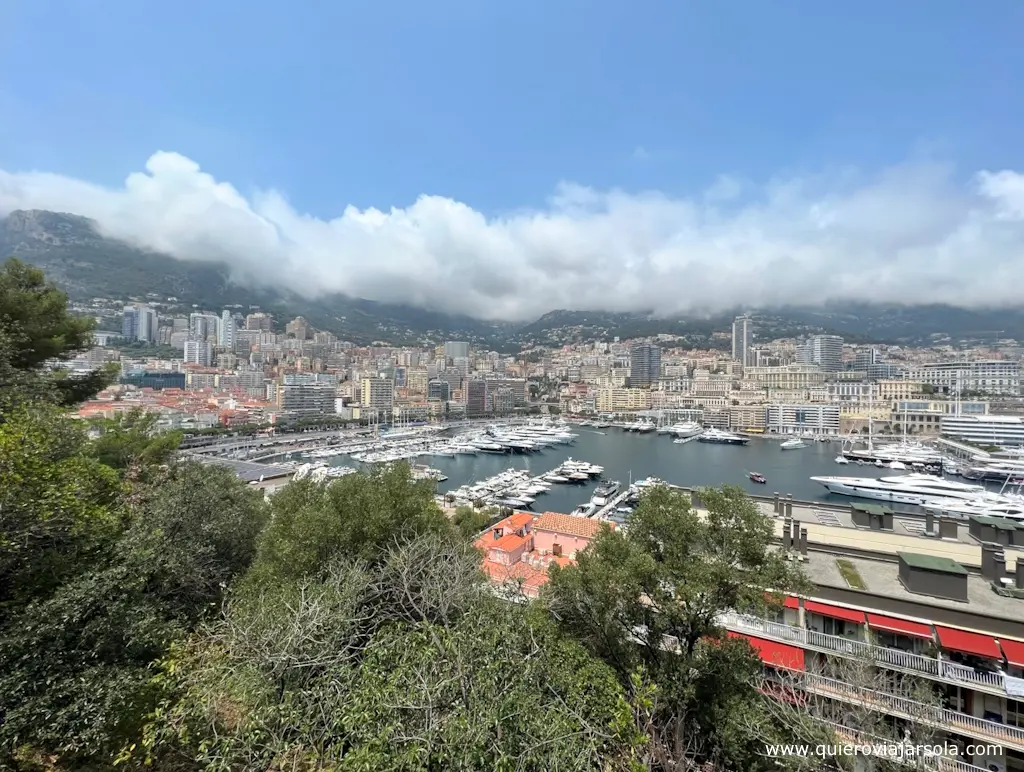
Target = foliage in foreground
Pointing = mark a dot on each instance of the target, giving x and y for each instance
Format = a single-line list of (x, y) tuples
[(409, 663)]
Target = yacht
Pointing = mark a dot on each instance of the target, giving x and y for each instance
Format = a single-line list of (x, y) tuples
[(604, 493), (686, 429), (1009, 509), (996, 471), (722, 438), (644, 427), (585, 510), (903, 489), (793, 444)]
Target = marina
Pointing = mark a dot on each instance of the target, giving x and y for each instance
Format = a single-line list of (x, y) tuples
[(535, 465)]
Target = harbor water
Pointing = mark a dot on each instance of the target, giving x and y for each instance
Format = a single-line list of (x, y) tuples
[(628, 456)]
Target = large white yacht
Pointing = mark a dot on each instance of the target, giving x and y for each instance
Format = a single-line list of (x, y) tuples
[(904, 489), (1012, 507), (722, 438), (686, 429)]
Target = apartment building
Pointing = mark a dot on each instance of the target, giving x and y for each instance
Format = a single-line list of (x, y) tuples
[(825, 351), (897, 388), (936, 599), (788, 377), (741, 340), (803, 419), (376, 395), (994, 376), (622, 400), (644, 364)]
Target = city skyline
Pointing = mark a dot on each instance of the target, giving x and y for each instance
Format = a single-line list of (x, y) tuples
[(766, 161)]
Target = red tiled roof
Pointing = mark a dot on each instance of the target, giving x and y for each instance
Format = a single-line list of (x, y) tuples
[(570, 525), (507, 543)]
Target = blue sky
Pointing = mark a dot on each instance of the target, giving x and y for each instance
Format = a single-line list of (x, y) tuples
[(508, 158), (494, 103)]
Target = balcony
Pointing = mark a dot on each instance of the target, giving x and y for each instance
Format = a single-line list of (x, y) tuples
[(894, 659), (938, 763), (981, 729)]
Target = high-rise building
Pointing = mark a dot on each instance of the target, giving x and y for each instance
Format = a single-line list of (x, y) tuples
[(644, 364), (441, 390), (259, 321), (308, 394), (476, 397), (139, 323), (198, 352), (456, 349), (741, 340), (378, 394), (203, 326), (297, 328), (226, 337), (825, 351)]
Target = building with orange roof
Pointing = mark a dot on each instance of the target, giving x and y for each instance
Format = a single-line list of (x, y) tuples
[(519, 549)]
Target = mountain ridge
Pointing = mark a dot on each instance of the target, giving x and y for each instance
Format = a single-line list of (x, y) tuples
[(87, 264)]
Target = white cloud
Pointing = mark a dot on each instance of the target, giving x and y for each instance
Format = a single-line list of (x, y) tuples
[(909, 234)]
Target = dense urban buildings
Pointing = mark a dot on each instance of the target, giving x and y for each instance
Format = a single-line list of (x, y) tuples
[(816, 384)]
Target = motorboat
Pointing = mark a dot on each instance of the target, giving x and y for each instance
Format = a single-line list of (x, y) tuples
[(604, 493), (758, 478), (585, 510), (842, 460), (720, 437), (555, 478), (793, 444), (903, 489)]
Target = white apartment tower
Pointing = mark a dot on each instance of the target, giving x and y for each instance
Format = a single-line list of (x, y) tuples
[(226, 332), (741, 340), (198, 352), (825, 351)]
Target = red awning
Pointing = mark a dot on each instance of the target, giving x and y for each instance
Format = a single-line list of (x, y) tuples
[(836, 612), (776, 654), (968, 643), (787, 601), (900, 626), (1014, 651)]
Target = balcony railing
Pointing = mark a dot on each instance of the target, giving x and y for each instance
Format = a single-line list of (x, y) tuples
[(912, 710), (892, 658), (938, 763)]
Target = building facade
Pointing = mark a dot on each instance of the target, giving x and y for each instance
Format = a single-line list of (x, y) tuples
[(803, 419), (644, 365), (995, 376), (825, 351), (987, 430)]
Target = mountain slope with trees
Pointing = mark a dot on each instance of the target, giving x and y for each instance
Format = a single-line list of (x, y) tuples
[(86, 264)]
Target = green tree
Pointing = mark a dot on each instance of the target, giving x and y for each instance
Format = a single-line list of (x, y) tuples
[(407, 663), (59, 507), (35, 313), (75, 666), (36, 327), (471, 521), (355, 516), (648, 601), (131, 441)]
